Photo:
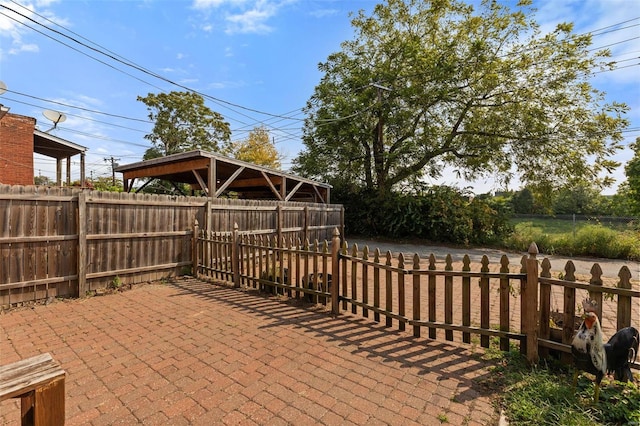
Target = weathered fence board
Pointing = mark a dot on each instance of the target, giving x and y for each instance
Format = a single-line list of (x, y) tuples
[(59, 242)]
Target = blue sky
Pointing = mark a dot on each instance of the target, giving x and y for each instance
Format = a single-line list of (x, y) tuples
[(257, 59)]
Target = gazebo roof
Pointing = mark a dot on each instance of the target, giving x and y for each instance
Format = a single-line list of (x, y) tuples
[(217, 174)]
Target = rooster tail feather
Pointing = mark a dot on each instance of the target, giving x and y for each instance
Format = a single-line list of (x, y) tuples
[(633, 350)]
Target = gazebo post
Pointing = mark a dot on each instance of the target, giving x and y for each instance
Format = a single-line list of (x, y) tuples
[(82, 171), (69, 171)]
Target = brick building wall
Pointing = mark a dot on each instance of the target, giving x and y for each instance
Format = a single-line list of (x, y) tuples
[(16, 149)]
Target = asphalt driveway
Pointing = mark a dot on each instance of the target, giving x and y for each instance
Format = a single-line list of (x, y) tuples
[(610, 267)]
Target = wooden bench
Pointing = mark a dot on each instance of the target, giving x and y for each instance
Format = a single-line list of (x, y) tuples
[(39, 383)]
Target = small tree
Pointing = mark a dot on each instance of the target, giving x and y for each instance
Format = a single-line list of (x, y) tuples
[(579, 199), (523, 202), (43, 181), (105, 183), (258, 149)]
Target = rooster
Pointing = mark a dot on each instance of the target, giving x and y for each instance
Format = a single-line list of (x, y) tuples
[(592, 355)]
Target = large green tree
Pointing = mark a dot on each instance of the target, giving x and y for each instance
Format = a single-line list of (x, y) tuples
[(433, 87), (182, 123)]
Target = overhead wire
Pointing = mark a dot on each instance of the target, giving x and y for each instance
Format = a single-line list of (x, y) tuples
[(127, 62), (140, 68), (287, 134), (83, 117), (79, 107)]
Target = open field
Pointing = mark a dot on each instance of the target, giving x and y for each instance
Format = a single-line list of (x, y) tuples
[(558, 226), (606, 239)]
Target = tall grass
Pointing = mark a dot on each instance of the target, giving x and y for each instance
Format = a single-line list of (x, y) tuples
[(583, 239)]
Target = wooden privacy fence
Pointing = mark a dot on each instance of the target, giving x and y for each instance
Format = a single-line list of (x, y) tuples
[(60, 242), (275, 218), (513, 302)]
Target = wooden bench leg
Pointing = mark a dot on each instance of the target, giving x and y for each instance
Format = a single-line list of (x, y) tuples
[(45, 405), (27, 402)]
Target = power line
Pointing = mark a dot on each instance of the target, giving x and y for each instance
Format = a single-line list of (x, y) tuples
[(613, 44), (612, 26), (105, 138), (124, 61), (136, 67), (82, 117), (80, 108), (67, 45)]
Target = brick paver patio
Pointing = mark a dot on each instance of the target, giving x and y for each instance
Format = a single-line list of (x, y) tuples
[(195, 353)]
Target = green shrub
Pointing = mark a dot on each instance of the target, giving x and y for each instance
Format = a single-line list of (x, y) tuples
[(440, 214)]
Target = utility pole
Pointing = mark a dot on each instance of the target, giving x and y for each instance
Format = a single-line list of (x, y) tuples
[(113, 168)]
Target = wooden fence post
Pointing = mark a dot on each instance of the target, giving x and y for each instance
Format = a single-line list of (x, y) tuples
[(416, 294), (335, 272), (194, 248), (624, 302), (504, 302), (431, 295), (545, 307), (305, 232), (596, 296), (569, 311), (82, 245), (279, 224), (235, 258), (485, 303), (530, 301), (342, 221)]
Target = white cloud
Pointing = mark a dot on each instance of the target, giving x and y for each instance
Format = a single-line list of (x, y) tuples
[(14, 21), (209, 4), (226, 85), (88, 100), (23, 47), (240, 16), (101, 150), (45, 3), (251, 21), (322, 13)]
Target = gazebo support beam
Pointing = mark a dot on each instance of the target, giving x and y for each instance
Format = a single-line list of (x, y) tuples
[(293, 191), (315, 188), (229, 181), (271, 185), (201, 181)]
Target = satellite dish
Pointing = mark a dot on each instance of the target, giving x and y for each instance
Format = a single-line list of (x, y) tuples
[(55, 116), (3, 88)]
